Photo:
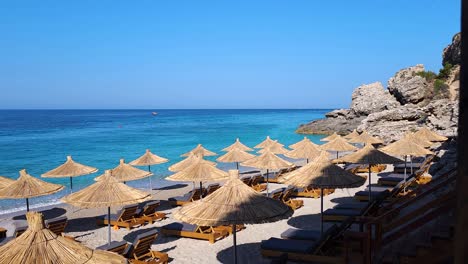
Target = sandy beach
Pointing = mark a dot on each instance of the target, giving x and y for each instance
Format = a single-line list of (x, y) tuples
[(83, 227)]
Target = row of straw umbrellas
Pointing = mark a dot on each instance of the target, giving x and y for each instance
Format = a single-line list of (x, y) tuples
[(235, 203)]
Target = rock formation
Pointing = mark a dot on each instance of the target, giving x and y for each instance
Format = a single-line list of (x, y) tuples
[(414, 98)]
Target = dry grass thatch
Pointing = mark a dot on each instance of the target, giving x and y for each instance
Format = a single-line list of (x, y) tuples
[(365, 138), (304, 151), (235, 155), (405, 147), (26, 186), (418, 140), (148, 159), (369, 155), (338, 144), (429, 135), (38, 245), (351, 135), (330, 137), (237, 145), (233, 203), (321, 173), (5, 181), (126, 172), (107, 192), (70, 168), (199, 150), (199, 171), (191, 159), (275, 148), (267, 160), (265, 143), (304, 141)]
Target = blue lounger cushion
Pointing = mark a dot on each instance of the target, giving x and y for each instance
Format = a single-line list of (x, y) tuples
[(301, 234), (354, 206), (184, 197), (287, 245), (113, 244), (181, 227), (339, 212)]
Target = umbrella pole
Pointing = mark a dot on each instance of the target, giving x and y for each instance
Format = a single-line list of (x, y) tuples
[(149, 170), (71, 185), (267, 182), (27, 204), (321, 211), (307, 161), (108, 225), (201, 191), (237, 165), (337, 154), (404, 187), (411, 161), (370, 186), (235, 242)]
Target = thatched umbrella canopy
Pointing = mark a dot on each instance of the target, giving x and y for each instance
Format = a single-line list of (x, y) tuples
[(330, 137), (148, 159), (418, 140), (191, 159), (233, 204), (351, 135), (304, 141), (371, 156), (275, 148), (322, 173), (304, 151), (125, 172), (107, 192), (39, 245), (429, 135), (237, 145), (5, 181), (265, 143), (235, 155), (199, 171), (199, 150), (267, 161), (70, 169), (26, 186), (366, 139), (338, 144)]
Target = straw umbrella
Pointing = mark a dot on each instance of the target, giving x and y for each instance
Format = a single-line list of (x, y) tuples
[(338, 144), (148, 159), (26, 186), (125, 172), (235, 155), (199, 171), (405, 147), (265, 143), (418, 140), (351, 135), (108, 192), (191, 159), (70, 169), (5, 181), (237, 145), (331, 137), (429, 135), (275, 148), (366, 139), (304, 141), (321, 173), (233, 204), (199, 150), (304, 151), (371, 156), (40, 245), (268, 161)]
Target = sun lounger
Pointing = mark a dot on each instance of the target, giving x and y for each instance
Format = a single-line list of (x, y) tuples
[(119, 247), (148, 212), (276, 194), (193, 231), (211, 188), (140, 251), (187, 198), (57, 225), (228, 228), (247, 179), (310, 192), (127, 217), (353, 206), (287, 198), (363, 168), (300, 234), (274, 177), (257, 184)]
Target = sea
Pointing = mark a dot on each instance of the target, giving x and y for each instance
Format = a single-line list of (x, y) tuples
[(40, 140)]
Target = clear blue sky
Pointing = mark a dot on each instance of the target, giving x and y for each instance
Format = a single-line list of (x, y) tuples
[(212, 54)]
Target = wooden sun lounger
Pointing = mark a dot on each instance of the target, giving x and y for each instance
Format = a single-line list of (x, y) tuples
[(193, 231), (257, 184), (400, 167), (57, 225), (191, 196), (119, 247), (288, 200), (211, 188), (228, 228), (126, 217), (363, 168), (276, 194), (310, 192), (394, 178), (278, 174), (141, 253), (149, 214)]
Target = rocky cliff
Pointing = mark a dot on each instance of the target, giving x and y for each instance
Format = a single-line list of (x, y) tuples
[(414, 97)]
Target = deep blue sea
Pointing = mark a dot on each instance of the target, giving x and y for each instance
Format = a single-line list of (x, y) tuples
[(40, 140)]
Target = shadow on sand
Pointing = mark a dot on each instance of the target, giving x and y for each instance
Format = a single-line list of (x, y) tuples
[(48, 214), (81, 224), (171, 187), (246, 253)]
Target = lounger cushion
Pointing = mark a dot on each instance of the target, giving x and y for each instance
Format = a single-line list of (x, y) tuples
[(143, 235), (373, 193), (287, 245), (113, 217), (181, 227), (280, 190), (408, 165), (112, 245), (300, 234), (342, 212), (185, 197), (354, 206)]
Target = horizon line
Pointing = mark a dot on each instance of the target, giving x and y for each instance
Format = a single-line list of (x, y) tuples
[(156, 109)]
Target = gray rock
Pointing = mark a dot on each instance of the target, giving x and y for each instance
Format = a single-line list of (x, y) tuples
[(452, 53), (371, 98), (337, 113), (442, 116), (407, 87)]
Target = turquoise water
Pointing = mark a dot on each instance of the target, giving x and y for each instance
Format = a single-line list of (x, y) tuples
[(40, 140)]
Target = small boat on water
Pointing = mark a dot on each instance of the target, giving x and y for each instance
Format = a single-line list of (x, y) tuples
[(154, 113)]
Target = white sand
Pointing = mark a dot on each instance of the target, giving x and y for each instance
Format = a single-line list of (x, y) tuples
[(186, 250)]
